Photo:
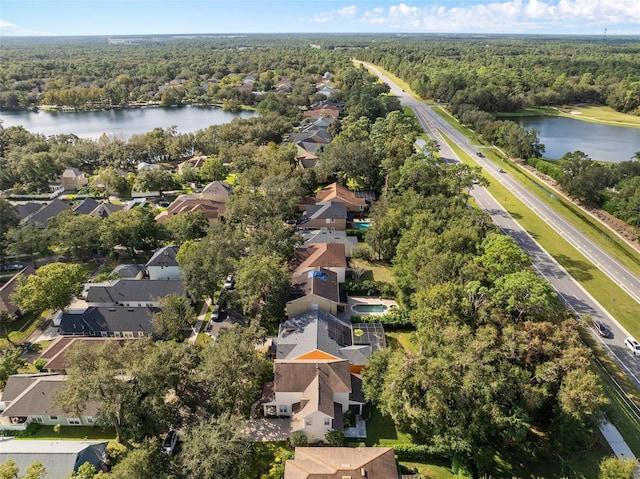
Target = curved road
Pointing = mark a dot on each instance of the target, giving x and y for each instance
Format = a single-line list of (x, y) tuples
[(567, 287)]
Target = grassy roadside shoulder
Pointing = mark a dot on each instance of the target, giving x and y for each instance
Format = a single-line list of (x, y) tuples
[(617, 302), (580, 220)]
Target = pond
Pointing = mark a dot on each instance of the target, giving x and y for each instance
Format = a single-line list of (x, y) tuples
[(124, 123), (601, 142)]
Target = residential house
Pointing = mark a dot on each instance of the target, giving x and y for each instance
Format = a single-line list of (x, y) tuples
[(41, 217), (31, 398), (59, 458), (341, 194), (27, 209), (330, 256), (196, 163), (330, 236), (305, 158), (131, 292), (145, 166), (129, 271), (211, 201), (56, 355), (316, 335), (107, 321), (211, 209), (315, 394), (315, 290), (341, 463), (8, 288), (327, 91), (163, 264), (330, 215), (73, 179), (89, 206)]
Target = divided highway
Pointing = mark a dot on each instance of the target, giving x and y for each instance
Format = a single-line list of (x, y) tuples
[(567, 287)]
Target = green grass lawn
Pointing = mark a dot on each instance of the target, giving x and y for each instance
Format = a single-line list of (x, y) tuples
[(376, 270), (74, 433)]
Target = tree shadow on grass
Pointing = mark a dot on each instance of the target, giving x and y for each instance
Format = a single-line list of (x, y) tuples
[(580, 270)]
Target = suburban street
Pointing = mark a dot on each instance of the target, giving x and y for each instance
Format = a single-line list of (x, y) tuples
[(567, 287)]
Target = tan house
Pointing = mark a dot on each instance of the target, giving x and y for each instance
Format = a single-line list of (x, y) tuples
[(211, 209), (331, 256), (342, 462), (196, 163), (338, 193), (315, 290), (73, 179), (331, 215)]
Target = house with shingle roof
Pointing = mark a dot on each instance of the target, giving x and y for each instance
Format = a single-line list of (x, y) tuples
[(89, 206), (8, 288), (330, 215), (196, 162), (131, 292), (330, 236), (315, 290), (107, 321), (315, 394), (59, 458), (56, 355), (342, 462), (316, 335), (73, 179), (341, 194), (163, 264), (42, 216), (31, 398), (331, 256)]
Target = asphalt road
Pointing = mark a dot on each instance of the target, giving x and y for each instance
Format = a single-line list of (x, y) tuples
[(567, 287)]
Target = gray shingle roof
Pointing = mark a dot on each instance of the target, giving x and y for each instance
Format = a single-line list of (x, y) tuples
[(326, 209), (110, 319), (59, 458), (134, 290), (86, 206), (310, 331), (44, 214), (38, 398), (128, 271), (164, 257), (321, 282)]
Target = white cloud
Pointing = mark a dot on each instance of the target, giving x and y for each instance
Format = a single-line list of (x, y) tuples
[(519, 16), (325, 17), (11, 29)]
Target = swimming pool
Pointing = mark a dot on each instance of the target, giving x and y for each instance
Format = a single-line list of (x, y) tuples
[(369, 308), (361, 225)]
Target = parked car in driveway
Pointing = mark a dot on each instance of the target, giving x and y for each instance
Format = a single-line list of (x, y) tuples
[(229, 282), (169, 443), (633, 345), (600, 328), (215, 314)]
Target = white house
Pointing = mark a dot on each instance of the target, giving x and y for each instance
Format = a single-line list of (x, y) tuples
[(163, 264)]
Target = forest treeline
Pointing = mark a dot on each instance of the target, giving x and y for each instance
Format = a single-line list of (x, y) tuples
[(502, 74), (494, 74)]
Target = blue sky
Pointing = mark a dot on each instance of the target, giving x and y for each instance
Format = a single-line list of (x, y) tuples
[(129, 17)]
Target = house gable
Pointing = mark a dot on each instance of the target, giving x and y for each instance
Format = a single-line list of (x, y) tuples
[(316, 355)]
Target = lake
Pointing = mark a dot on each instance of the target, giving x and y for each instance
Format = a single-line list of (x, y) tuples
[(601, 142), (124, 123)]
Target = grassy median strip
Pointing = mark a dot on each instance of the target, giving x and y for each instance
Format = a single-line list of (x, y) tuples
[(617, 302)]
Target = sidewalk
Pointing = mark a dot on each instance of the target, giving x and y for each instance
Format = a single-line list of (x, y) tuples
[(201, 318), (616, 442)]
